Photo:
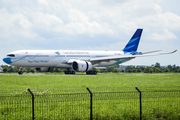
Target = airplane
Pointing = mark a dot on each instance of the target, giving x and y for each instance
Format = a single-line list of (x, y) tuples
[(78, 60)]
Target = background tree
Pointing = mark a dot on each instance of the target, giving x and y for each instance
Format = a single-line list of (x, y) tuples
[(56, 70), (174, 68), (32, 70), (130, 68), (178, 70), (157, 70), (146, 70), (151, 70), (139, 70), (170, 67), (15, 69), (166, 70), (134, 70), (24, 70), (115, 70), (157, 65), (142, 68), (95, 69), (110, 69), (10, 69), (5, 69)]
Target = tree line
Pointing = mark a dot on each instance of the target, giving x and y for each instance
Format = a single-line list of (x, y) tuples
[(155, 68)]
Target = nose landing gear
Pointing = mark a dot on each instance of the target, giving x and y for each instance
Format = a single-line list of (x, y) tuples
[(20, 72)]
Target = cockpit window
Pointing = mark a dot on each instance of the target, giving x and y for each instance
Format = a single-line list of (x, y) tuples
[(11, 55)]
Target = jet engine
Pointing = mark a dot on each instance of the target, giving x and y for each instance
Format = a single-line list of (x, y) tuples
[(44, 69), (81, 66)]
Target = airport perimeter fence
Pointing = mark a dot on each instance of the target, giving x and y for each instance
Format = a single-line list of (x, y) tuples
[(133, 105)]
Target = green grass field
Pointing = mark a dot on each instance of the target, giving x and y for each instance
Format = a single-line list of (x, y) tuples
[(125, 105), (105, 82)]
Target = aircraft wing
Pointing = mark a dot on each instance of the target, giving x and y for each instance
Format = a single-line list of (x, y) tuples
[(119, 57), (150, 52), (116, 58)]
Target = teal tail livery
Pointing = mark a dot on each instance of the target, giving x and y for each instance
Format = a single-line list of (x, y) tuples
[(133, 42), (77, 60)]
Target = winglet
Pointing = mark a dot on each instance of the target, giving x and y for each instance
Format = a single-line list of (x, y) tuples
[(168, 53), (133, 43)]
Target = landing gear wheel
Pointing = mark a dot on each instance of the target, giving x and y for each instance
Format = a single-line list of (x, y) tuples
[(91, 73), (95, 73), (20, 72), (69, 72)]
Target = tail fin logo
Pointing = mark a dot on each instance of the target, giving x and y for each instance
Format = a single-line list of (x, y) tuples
[(133, 43)]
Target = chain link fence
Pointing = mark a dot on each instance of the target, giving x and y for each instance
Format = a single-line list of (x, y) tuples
[(131, 105)]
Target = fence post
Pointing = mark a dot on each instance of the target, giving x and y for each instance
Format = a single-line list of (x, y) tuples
[(140, 103), (91, 104), (32, 103)]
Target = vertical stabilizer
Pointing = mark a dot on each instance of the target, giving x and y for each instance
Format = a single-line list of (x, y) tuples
[(133, 42)]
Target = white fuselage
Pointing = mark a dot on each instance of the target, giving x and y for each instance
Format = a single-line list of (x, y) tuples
[(57, 58)]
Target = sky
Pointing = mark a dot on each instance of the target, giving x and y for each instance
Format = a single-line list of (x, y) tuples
[(91, 25)]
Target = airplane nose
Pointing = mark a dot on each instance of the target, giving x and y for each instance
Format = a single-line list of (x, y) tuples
[(7, 60)]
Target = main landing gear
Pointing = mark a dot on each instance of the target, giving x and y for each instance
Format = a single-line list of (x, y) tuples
[(87, 73), (91, 73), (69, 72)]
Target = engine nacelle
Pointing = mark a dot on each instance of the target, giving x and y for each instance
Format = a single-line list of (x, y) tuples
[(81, 66), (44, 69)]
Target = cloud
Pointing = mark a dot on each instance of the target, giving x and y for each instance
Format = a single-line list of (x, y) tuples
[(16, 24), (164, 35), (44, 2), (46, 21), (82, 24), (96, 17), (97, 24)]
